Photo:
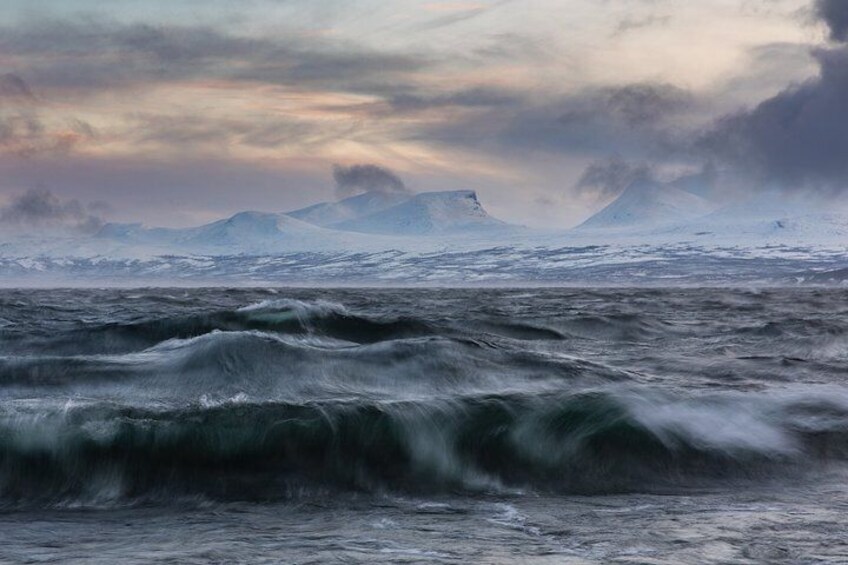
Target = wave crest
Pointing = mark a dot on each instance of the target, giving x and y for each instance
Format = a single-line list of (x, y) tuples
[(585, 443)]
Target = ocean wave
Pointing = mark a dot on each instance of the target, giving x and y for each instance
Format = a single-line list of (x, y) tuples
[(285, 317), (625, 327), (290, 317), (301, 367), (117, 397), (592, 442)]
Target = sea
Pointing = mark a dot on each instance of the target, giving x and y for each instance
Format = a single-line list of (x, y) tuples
[(283, 425)]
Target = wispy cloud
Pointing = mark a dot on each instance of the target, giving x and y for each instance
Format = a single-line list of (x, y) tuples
[(23, 130), (632, 23), (456, 12)]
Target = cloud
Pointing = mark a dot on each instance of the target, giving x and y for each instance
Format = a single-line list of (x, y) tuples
[(608, 178), (23, 131), (637, 120), (200, 131), (796, 139), (40, 208), (835, 14), (458, 13), (90, 55), (637, 104), (26, 136), (366, 178), (93, 57), (477, 97), (770, 68), (633, 23), (13, 87), (185, 191), (515, 99)]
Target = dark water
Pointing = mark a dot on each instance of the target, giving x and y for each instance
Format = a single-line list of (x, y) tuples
[(297, 426)]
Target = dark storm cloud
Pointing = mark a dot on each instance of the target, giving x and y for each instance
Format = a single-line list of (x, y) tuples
[(632, 119), (91, 55), (771, 67), (40, 208), (609, 178), (644, 103), (366, 178), (835, 14), (796, 139)]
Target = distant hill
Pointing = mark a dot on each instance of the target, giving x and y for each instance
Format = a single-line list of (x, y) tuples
[(648, 203), (245, 232)]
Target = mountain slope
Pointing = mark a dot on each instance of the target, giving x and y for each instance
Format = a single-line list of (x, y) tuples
[(245, 232), (329, 213), (770, 216), (647, 203), (428, 213), (252, 229)]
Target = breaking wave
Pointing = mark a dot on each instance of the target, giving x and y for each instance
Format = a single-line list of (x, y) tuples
[(599, 442), (286, 397)]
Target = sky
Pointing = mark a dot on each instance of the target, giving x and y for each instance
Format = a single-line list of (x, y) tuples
[(178, 112)]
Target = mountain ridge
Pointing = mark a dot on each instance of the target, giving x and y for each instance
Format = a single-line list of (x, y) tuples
[(428, 213)]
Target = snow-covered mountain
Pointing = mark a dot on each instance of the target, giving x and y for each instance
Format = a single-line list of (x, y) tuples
[(653, 233), (328, 214), (769, 217), (648, 203), (245, 232), (253, 230), (428, 213), (654, 213), (362, 222)]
